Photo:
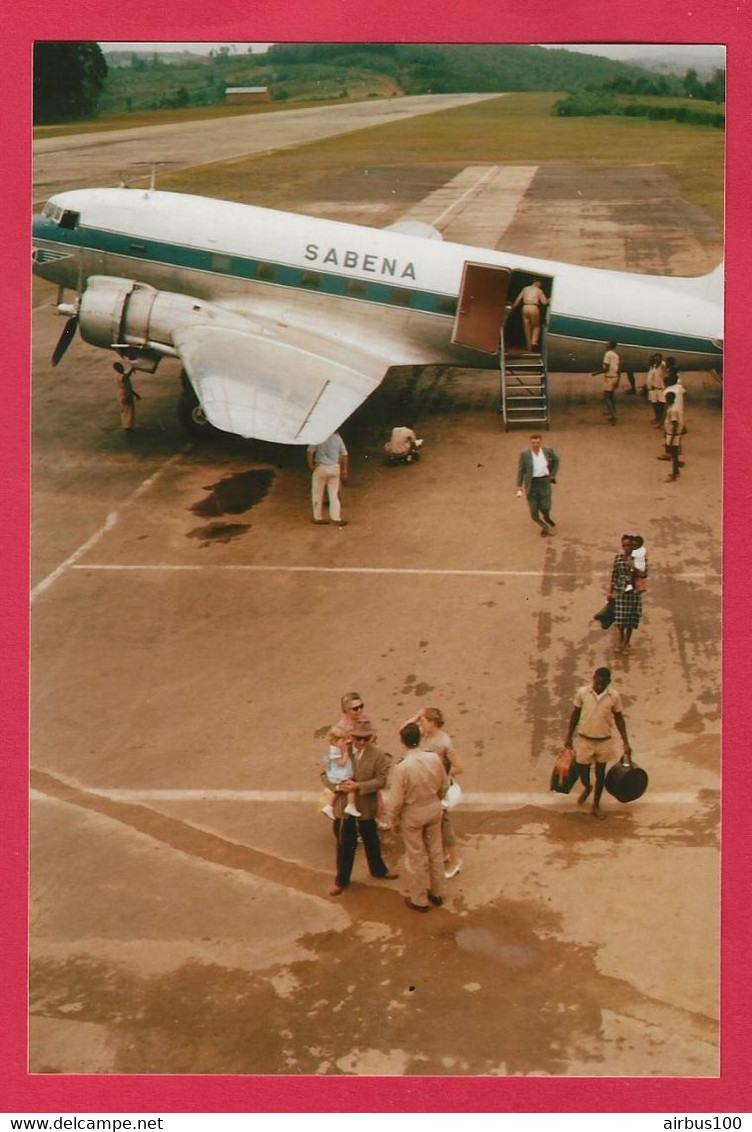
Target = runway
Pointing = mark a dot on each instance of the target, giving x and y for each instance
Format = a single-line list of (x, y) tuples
[(192, 634), (105, 158)]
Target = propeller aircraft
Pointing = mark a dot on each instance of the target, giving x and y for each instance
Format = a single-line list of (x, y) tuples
[(284, 324)]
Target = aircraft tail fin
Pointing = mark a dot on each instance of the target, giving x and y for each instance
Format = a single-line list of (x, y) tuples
[(711, 286)]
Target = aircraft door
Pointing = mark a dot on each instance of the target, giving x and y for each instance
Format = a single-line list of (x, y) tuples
[(481, 307)]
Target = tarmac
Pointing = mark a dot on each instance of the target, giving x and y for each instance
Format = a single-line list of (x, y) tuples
[(193, 632)]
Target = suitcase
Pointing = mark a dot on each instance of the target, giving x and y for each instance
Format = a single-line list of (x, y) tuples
[(626, 783)]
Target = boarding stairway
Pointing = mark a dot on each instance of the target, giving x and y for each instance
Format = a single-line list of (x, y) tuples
[(524, 389)]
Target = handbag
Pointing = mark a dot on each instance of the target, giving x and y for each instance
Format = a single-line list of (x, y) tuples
[(606, 615), (626, 781), (565, 772), (453, 795)]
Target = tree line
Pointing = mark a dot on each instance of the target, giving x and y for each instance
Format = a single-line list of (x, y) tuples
[(72, 80)]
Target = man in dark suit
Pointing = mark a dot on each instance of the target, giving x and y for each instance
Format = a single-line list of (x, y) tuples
[(536, 471), (370, 767)]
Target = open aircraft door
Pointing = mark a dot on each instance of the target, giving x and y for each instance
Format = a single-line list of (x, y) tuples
[(482, 307)]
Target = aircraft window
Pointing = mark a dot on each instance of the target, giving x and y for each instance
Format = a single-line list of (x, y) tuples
[(266, 271), (220, 263), (445, 305), (51, 210), (356, 287), (310, 279), (400, 297), (69, 219)]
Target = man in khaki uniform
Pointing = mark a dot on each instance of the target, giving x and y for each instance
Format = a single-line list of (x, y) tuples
[(611, 370), (416, 788), (532, 298), (597, 707), (126, 395)]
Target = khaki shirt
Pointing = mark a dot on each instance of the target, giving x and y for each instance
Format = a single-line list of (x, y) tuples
[(596, 711), (418, 779)]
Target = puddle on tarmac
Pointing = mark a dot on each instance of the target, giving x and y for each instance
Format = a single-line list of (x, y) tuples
[(218, 532), (483, 942), (235, 494)]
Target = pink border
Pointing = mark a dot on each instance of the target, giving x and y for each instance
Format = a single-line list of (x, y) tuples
[(680, 21)]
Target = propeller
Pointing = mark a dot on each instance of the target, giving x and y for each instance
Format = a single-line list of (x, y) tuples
[(65, 339), (71, 325)]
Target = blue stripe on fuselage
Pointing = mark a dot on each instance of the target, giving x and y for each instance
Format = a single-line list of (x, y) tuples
[(313, 280)]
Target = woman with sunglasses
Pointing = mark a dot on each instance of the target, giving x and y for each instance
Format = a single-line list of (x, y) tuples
[(353, 710)]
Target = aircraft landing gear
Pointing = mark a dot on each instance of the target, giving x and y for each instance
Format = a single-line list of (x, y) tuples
[(191, 415)]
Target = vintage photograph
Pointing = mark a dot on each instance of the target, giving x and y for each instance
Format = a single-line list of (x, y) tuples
[(376, 559)]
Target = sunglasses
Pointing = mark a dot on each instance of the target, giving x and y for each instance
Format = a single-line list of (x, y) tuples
[(357, 707)]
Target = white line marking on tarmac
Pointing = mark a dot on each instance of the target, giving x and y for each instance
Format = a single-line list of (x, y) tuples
[(108, 524), (310, 797), (471, 191), (114, 566)]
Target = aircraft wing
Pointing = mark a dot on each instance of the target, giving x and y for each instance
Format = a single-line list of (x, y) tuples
[(277, 383)]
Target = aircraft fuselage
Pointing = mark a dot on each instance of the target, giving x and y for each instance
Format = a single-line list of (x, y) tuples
[(371, 282)]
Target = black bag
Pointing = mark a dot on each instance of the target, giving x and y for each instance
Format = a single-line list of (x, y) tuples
[(565, 773), (626, 783), (607, 614)]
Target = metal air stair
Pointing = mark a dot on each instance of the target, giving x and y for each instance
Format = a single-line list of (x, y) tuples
[(524, 390)]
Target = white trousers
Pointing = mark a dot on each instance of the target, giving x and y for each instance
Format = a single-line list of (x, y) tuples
[(326, 476)]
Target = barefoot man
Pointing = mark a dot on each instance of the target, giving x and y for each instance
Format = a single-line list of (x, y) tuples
[(597, 707)]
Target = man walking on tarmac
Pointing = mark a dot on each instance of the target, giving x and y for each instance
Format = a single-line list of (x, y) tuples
[(536, 471), (597, 707)]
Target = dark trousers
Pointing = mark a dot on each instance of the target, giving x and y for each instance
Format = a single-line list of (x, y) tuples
[(346, 831), (539, 500)]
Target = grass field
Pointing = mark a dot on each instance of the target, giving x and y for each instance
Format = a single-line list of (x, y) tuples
[(515, 129)]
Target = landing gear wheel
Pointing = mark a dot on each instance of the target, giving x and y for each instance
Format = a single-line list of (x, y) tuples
[(190, 414)]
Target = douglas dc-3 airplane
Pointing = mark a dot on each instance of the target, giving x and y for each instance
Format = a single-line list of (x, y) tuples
[(284, 324)]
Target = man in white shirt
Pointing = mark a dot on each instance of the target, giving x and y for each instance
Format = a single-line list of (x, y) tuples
[(403, 445), (675, 386), (611, 370), (536, 471)]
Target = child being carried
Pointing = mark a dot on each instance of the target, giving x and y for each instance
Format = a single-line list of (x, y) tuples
[(638, 562), (339, 768)]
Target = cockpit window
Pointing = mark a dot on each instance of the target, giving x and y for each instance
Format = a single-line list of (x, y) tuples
[(64, 217)]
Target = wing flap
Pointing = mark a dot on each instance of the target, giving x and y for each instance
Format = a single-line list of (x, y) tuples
[(272, 388)]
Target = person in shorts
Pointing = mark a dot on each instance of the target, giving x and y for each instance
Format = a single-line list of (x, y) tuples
[(597, 709)]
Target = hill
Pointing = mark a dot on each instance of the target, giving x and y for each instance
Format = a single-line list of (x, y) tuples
[(325, 72)]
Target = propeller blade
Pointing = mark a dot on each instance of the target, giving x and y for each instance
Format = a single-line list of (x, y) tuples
[(65, 339)]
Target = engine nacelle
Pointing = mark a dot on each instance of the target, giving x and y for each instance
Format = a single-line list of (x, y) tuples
[(115, 312)]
